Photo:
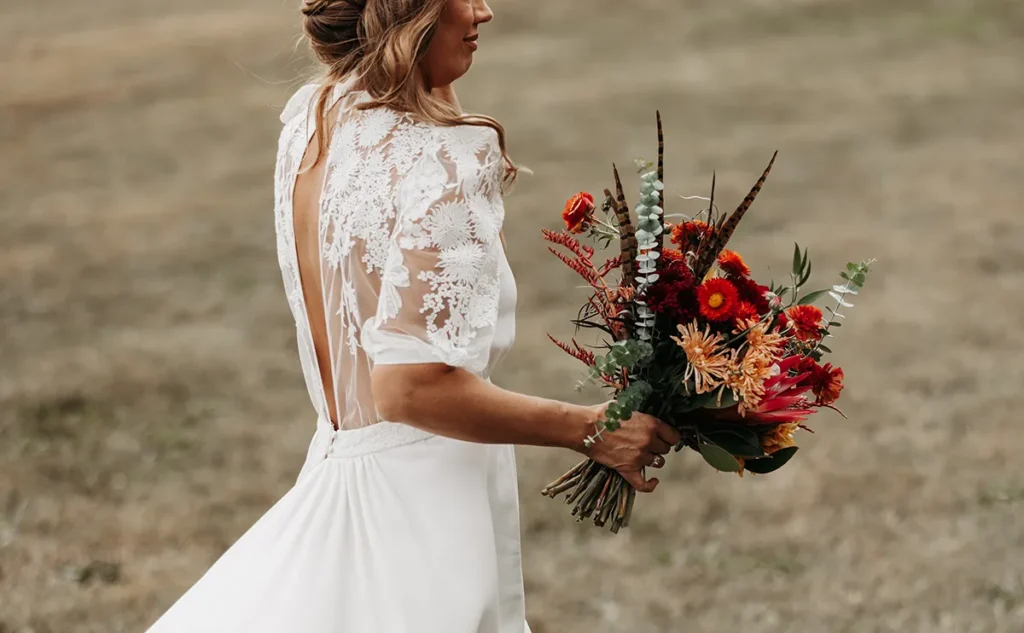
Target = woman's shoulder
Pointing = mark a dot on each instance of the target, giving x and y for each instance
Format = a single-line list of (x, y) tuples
[(299, 103), (467, 147)]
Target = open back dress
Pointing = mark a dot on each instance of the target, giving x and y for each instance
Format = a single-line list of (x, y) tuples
[(389, 529)]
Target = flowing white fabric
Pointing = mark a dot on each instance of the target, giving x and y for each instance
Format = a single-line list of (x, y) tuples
[(389, 529)]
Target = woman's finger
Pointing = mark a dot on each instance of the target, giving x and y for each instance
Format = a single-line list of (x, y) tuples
[(659, 446), (637, 480), (667, 433)]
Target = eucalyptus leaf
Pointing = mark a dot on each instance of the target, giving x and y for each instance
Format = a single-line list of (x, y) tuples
[(824, 348), (796, 260), (719, 458), (839, 299), (770, 464)]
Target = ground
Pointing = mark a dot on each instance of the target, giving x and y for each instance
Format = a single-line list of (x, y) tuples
[(151, 406)]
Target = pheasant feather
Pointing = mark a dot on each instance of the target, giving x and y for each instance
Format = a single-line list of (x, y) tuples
[(726, 227)]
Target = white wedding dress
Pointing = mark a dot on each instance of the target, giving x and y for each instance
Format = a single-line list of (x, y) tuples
[(389, 529)]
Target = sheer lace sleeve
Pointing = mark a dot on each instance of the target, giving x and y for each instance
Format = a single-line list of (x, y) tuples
[(440, 286)]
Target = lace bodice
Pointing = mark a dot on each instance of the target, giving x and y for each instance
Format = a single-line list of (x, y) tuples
[(412, 267)]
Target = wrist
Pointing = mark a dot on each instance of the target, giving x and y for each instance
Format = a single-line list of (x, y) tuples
[(580, 424)]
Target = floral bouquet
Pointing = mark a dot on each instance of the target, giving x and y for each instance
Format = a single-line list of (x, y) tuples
[(735, 366)]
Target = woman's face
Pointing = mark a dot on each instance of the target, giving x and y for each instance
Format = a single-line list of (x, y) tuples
[(450, 53)]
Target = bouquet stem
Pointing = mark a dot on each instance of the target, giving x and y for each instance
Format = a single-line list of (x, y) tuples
[(597, 491)]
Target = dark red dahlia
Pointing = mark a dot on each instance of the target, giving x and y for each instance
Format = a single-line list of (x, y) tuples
[(753, 293), (674, 295)]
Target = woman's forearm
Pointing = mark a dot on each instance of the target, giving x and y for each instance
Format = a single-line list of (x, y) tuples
[(457, 404)]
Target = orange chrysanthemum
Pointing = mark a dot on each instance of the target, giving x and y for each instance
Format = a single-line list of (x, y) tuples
[(578, 212), (706, 362), (746, 376), (806, 322), (732, 264), (768, 345), (718, 299)]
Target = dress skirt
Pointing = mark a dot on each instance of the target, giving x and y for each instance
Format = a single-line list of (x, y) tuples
[(388, 529)]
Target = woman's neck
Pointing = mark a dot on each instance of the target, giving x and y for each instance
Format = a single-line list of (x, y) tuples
[(447, 94)]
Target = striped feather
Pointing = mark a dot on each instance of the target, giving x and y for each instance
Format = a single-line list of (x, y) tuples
[(627, 235), (661, 177), (727, 227)]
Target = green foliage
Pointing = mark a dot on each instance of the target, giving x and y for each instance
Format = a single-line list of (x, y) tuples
[(773, 462), (855, 275), (740, 441), (621, 355), (627, 402), (720, 398), (811, 297), (719, 458), (801, 266)]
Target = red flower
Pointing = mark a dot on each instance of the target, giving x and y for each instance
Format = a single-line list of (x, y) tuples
[(806, 322), (688, 234), (578, 213), (782, 323), (674, 295), (826, 382), (753, 293), (745, 310), (783, 399), (806, 365), (732, 264), (718, 300)]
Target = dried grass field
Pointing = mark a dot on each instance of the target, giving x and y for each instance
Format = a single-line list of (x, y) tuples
[(151, 404)]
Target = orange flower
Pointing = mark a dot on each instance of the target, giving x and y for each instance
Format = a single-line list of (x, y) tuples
[(744, 312), (718, 299), (828, 384), (732, 264), (806, 322), (706, 362), (670, 255), (578, 212), (780, 437), (688, 234)]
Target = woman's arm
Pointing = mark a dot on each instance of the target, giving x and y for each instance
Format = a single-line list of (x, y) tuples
[(458, 404)]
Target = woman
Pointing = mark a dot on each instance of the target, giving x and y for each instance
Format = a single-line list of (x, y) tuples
[(404, 518)]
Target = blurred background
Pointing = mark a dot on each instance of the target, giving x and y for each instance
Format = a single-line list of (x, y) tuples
[(151, 402)]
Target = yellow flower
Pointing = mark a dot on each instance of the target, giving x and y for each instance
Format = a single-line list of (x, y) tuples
[(705, 364), (780, 437)]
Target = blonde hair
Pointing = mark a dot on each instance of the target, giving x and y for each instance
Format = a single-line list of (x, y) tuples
[(383, 42)]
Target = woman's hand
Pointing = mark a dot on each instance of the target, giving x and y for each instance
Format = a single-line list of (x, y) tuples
[(639, 442)]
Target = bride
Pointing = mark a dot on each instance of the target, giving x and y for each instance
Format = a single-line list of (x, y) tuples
[(404, 518)]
